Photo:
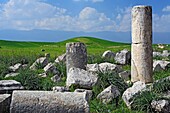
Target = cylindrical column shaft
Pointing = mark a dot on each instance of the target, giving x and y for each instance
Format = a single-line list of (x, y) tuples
[(76, 55), (142, 62)]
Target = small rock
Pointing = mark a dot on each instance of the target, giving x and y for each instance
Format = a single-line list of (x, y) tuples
[(108, 94), (123, 57), (43, 75), (55, 78), (93, 67), (163, 64), (50, 68), (61, 58), (129, 94), (11, 75), (105, 67), (89, 92), (162, 106), (157, 54), (125, 75), (7, 86), (5, 100), (43, 61), (108, 55), (165, 53), (157, 67), (24, 66), (60, 89), (82, 78), (16, 67)]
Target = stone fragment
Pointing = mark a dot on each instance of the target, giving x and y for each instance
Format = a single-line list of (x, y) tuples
[(125, 75), (105, 67), (93, 67), (49, 102), (61, 89), (161, 106), (43, 61), (11, 75), (89, 92), (108, 94), (164, 64), (5, 100), (108, 55), (50, 68), (61, 58), (56, 78), (16, 67)]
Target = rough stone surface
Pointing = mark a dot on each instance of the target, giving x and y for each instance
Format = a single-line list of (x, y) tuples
[(162, 106), (89, 92), (93, 67), (60, 89), (48, 102), (7, 86), (105, 67), (108, 55), (61, 58), (108, 94), (11, 75), (125, 75), (157, 54), (76, 55), (43, 61), (141, 62), (165, 53), (81, 78), (43, 75), (123, 57), (50, 68), (162, 63), (129, 94), (56, 78), (16, 67), (5, 100), (157, 67)]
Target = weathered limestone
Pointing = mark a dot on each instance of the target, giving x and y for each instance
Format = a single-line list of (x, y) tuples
[(141, 62), (60, 89), (5, 100), (50, 68), (7, 86), (11, 75), (108, 55), (48, 102), (16, 67), (89, 92), (76, 55), (43, 61), (161, 106), (109, 67), (61, 58)]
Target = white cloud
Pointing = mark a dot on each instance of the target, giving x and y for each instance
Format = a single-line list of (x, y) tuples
[(167, 8), (94, 1)]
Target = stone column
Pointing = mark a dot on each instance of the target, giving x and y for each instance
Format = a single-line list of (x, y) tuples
[(76, 55), (142, 62)]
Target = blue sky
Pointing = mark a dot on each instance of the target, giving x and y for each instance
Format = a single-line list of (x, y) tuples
[(107, 19)]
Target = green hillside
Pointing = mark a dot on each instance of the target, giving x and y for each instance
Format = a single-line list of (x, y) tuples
[(94, 45)]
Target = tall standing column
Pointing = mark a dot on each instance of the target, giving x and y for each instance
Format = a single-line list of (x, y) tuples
[(76, 55), (142, 62)]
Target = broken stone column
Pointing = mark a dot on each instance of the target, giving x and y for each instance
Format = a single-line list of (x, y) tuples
[(76, 55), (141, 62), (49, 102)]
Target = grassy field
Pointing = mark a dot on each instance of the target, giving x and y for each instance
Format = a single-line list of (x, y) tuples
[(12, 52)]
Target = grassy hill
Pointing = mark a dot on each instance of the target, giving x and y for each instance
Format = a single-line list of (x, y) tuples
[(94, 45)]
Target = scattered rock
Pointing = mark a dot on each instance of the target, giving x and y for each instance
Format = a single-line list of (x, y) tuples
[(129, 94), (16, 67), (5, 100), (123, 57), (47, 55), (50, 68), (162, 106), (11, 75), (56, 78), (163, 64), (81, 78), (89, 92), (43, 75), (49, 102), (43, 61), (61, 89), (157, 54), (165, 53), (93, 67), (61, 58), (7, 86), (24, 66), (157, 67), (125, 75), (105, 67), (108, 55), (108, 94)]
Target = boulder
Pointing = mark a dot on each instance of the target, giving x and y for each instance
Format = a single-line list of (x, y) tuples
[(60, 89), (61, 58), (123, 57), (108, 94), (5, 100), (7, 86), (108, 55), (43, 61), (130, 93), (11, 75), (56, 78), (93, 67), (161, 106), (81, 78), (50, 68), (105, 67), (157, 54), (48, 102), (89, 92), (16, 67), (163, 64), (125, 75)]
